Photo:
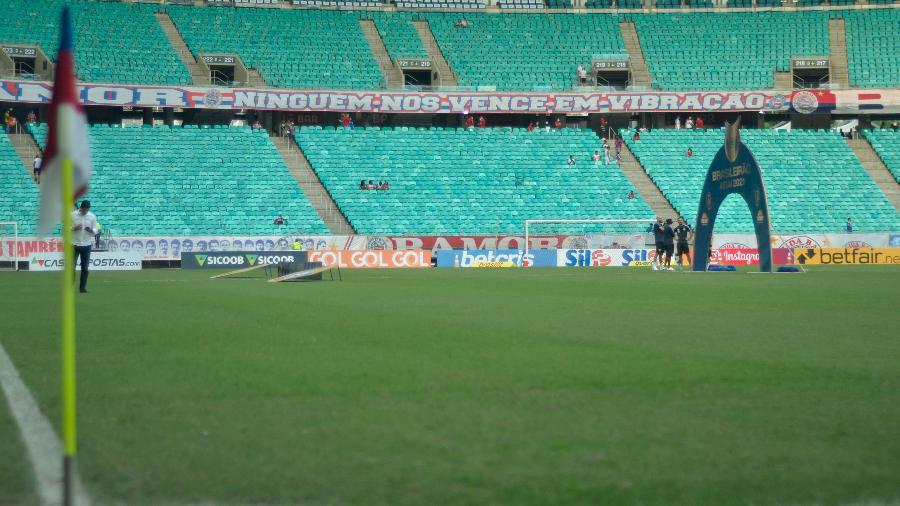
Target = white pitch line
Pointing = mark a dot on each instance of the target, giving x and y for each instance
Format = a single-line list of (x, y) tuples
[(43, 445)]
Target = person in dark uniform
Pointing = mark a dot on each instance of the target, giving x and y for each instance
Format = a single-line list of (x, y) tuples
[(683, 235), (657, 230), (669, 243)]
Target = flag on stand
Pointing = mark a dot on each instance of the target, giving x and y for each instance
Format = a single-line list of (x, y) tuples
[(67, 137)]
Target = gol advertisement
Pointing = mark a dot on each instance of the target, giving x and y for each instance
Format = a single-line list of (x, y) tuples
[(372, 259), (847, 256)]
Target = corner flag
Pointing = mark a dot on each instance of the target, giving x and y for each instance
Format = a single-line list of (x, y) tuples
[(67, 138)]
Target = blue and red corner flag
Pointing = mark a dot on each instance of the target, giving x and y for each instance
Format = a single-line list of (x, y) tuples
[(67, 137)]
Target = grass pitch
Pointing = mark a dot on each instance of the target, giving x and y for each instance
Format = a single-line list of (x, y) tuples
[(545, 386)]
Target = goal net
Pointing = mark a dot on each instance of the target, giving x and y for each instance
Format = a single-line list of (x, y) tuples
[(589, 234), (9, 246)]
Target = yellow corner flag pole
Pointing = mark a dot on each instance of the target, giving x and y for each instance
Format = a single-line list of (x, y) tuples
[(68, 333)]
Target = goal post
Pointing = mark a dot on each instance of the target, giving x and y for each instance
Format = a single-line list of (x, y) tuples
[(9, 231), (626, 233)]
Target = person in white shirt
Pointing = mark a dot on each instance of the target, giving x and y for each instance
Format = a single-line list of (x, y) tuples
[(582, 74), (84, 223), (37, 164)]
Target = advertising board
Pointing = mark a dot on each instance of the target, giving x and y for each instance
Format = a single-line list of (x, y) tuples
[(100, 261), (496, 258), (847, 256), (239, 259), (372, 259)]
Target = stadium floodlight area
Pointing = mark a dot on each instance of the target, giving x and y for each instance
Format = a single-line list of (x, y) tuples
[(9, 231), (597, 233)]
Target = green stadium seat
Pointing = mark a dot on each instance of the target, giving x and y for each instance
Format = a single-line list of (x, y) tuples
[(813, 180), (456, 181), (188, 181)]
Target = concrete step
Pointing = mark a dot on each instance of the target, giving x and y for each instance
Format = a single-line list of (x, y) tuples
[(392, 75), (645, 186), (877, 170), (256, 78), (312, 187), (783, 81), (447, 77), (837, 38), (199, 75), (640, 74), (26, 148)]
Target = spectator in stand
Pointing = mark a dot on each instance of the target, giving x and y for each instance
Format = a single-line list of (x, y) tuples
[(387, 185), (631, 195), (699, 122), (596, 157), (557, 124), (291, 128), (470, 122), (618, 148), (36, 165), (530, 127), (10, 122), (689, 123), (677, 122), (636, 136), (362, 184), (571, 161), (345, 120), (582, 74), (352, 125), (31, 118), (606, 159), (371, 184), (547, 125), (256, 125), (689, 153), (849, 225), (482, 122), (279, 220), (895, 126)]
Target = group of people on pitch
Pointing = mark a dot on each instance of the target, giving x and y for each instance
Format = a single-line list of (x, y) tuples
[(666, 236)]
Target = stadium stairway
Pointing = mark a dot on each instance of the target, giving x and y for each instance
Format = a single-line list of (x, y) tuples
[(645, 186), (640, 75), (26, 148), (876, 169), (837, 40), (199, 74), (783, 81), (393, 76), (312, 187), (447, 77)]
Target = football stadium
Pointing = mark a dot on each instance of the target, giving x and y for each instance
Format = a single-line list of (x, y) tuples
[(441, 252)]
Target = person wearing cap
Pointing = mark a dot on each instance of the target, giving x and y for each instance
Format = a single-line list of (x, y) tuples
[(84, 223)]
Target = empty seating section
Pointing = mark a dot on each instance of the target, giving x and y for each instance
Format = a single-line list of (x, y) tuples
[(813, 180), (192, 181), (559, 4), (337, 3), (524, 51), (441, 4), (296, 48), (733, 51), (887, 145), (115, 42), (18, 193), (521, 4), (873, 46), (399, 34), (455, 181)]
